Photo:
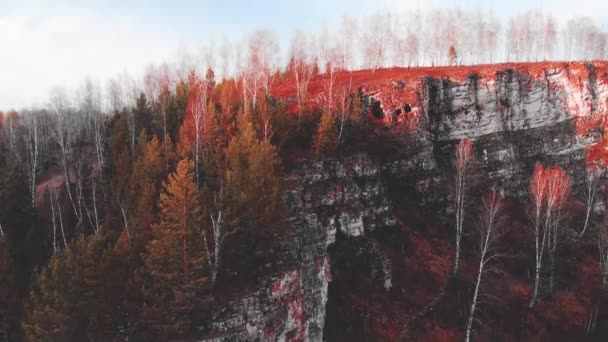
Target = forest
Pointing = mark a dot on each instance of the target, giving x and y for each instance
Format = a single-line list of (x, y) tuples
[(134, 211)]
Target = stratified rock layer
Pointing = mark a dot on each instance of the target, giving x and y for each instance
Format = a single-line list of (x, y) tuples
[(514, 119)]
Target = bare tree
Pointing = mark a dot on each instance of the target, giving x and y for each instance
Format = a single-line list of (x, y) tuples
[(31, 136), (375, 40), (302, 68), (56, 211), (225, 56), (538, 190), (64, 132), (491, 229), (550, 189), (122, 205), (263, 52), (463, 156), (94, 121), (549, 37), (198, 108), (345, 103), (602, 244), (558, 191), (348, 32), (219, 236), (590, 192), (92, 214), (13, 135)]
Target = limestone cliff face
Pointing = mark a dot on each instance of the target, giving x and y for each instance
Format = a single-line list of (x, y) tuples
[(326, 198), (515, 119)]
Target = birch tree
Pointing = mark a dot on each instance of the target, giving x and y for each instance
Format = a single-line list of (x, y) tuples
[(549, 188), (491, 229), (56, 213), (463, 157), (590, 192), (558, 191), (345, 102), (31, 136), (197, 104), (219, 236), (64, 131), (302, 69), (94, 121), (602, 244), (263, 52), (538, 190)]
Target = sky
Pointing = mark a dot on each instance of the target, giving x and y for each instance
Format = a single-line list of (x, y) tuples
[(59, 43)]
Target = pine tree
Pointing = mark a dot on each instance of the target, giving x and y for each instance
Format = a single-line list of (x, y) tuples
[(67, 301), (325, 140), (452, 55), (144, 187), (174, 273), (8, 290), (252, 182)]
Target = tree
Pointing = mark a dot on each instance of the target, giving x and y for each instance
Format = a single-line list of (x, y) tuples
[(550, 189), (90, 106), (348, 32), (345, 108), (263, 52), (32, 137), (591, 187), (192, 131), (549, 37), (413, 46), (174, 262), (491, 229), (143, 189), (375, 41), (252, 183), (65, 131), (452, 55), (602, 244), (8, 290), (66, 301), (463, 157), (538, 191), (558, 192), (325, 139), (302, 68)]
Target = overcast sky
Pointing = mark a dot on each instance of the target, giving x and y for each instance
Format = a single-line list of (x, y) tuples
[(44, 44)]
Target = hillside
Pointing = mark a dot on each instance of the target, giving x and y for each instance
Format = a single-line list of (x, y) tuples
[(385, 215), (328, 209)]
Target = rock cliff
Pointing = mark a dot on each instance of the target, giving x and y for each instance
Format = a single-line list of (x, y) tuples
[(516, 116)]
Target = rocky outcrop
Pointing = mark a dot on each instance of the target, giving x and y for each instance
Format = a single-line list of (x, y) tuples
[(514, 119), (326, 199)]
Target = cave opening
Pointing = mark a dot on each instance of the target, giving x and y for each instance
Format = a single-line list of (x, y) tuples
[(376, 109)]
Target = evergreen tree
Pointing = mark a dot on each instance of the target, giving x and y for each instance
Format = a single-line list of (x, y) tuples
[(174, 263), (325, 140), (8, 290), (67, 301), (252, 182)]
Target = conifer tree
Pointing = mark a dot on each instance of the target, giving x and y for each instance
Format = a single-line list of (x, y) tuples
[(8, 289), (252, 182), (325, 139), (174, 273)]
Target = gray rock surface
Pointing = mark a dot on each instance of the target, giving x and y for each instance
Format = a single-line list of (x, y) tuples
[(514, 122)]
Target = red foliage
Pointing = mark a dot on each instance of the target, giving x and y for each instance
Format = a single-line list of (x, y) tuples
[(538, 185), (463, 153), (549, 186)]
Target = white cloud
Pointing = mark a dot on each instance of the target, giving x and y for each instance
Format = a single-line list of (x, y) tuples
[(61, 49)]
